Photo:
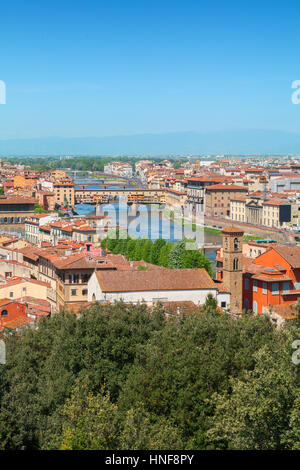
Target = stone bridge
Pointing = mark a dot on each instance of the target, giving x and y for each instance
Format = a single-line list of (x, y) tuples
[(84, 195)]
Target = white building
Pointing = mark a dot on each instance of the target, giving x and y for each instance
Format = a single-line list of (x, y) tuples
[(164, 285), (33, 224)]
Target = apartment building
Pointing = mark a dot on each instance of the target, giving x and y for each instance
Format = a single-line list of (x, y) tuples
[(33, 225), (218, 197), (196, 187), (64, 192), (276, 213), (14, 210), (118, 168)]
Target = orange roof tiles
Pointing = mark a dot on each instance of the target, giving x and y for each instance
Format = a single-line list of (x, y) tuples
[(165, 279)]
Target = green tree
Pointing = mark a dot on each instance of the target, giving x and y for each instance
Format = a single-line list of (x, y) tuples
[(131, 249), (210, 305), (141, 430), (255, 416), (176, 255), (156, 249), (196, 259), (90, 422), (165, 254), (146, 253), (38, 209)]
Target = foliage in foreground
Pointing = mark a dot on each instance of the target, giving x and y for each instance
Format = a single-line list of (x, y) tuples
[(122, 377)]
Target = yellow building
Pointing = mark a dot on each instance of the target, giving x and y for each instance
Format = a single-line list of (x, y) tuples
[(64, 192)]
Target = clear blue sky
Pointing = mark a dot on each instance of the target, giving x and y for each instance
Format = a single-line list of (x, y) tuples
[(98, 68)]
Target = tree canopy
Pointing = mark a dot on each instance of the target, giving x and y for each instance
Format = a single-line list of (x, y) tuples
[(125, 377)]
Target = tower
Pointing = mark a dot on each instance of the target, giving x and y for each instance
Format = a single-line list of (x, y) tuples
[(232, 267)]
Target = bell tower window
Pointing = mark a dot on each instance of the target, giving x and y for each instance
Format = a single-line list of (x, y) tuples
[(235, 244)]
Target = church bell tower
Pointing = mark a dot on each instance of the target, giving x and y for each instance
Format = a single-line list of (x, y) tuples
[(232, 267)]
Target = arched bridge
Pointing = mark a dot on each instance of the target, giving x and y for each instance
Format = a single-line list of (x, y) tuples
[(131, 196)]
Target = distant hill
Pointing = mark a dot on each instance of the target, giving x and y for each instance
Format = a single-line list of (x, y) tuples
[(223, 142)]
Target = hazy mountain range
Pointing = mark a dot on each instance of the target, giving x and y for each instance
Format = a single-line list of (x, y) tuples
[(178, 143)]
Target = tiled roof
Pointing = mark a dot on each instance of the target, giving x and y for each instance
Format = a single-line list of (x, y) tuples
[(232, 229), (269, 278), (290, 253), (285, 311), (225, 187), (275, 202), (164, 279), (183, 307), (17, 322)]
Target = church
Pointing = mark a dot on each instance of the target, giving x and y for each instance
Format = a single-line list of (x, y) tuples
[(266, 284)]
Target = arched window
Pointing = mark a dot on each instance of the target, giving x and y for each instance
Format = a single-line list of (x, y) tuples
[(4, 313), (236, 244), (226, 243), (235, 264)]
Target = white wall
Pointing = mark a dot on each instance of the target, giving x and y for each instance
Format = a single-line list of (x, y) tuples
[(198, 296), (223, 297), (94, 288)]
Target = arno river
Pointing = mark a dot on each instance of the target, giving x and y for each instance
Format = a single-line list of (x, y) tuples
[(141, 226)]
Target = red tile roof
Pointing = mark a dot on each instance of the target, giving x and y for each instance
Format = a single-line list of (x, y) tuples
[(226, 187), (164, 279)]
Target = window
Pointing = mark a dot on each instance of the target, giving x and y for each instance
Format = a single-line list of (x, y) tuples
[(11, 294), (235, 264), (265, 287), (236, 244), (286, 287), (4, 313), (275, 288), (254, 286), (73, 292), (84, 291), (223, 304)]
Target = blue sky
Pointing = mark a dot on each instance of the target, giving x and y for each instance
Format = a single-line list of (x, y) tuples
[(102, 68)]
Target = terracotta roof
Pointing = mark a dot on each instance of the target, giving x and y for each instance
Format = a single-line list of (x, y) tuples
[(17, 322), (221, 286), (275, 202), (18, 280), (75, 307), (267, 278), (290, 253), (232, 229), (164, 279), (4, 302), (210, 179), (225, 187), (285, 311), (184, 307), (16, 200), (243, 199)]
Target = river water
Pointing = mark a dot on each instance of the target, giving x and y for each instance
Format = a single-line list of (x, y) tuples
[(147, 223)]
